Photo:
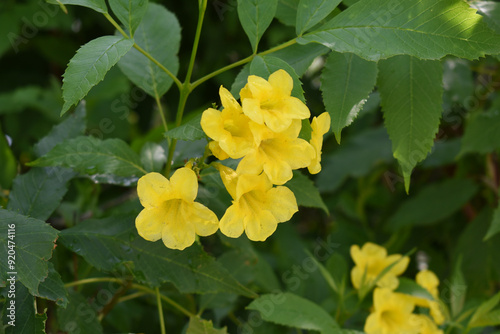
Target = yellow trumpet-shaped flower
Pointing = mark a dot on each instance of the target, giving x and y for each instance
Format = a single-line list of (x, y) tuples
[(257, 207), (277, 154), (170, 212), (392, 314), (425, 324), (429, 281), (320, 125), (229, 127), (269, 101), (371, 260)]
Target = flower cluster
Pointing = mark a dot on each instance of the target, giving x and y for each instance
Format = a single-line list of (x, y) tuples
[(393, 312), (262, 131)]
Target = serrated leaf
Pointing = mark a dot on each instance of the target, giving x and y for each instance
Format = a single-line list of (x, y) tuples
[(411, 94), (311, 12), (482, 133), (97, 5), (494, 226), (346, 82), (306, 193), (287, 12), (33, 241), (433, 203), (429, 29), (483, 310), (202, 326), (490, 11), (89, 155), (255, 17), (291, 310), (189, 131), (89, 66), (129, 12), (153, 157), (27, 320), (300, 57), (265, 66), (159, 34), (52, 288), (78, 316), (8, 167), (110, 242)]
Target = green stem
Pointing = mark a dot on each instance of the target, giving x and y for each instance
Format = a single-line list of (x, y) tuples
[(201, 14), (240, 62), (116, 25), (178, 120), (93, 280), (164, 298), (162, 115), (157, 63), (160, 311)]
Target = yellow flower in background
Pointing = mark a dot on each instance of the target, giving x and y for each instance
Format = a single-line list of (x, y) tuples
[(269, 101), (429, 281), (371, 260), (257, 207), (277, 154), (229, 127), (392, 314), (424, 324), (170, 212), (320, 125)]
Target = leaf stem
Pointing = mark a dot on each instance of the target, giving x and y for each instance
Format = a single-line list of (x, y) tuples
[(178, 83), (160, 311), (116, 25), (162, 115)]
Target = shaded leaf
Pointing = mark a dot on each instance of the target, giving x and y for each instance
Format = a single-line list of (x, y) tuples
[(8, 167), (346, 82), (490, 11), (411, 94), (379, 29), (410, 287), (287, 12), (78, 316), (255, 17), (89, 66), (159, 34), (495, 225), (52, 288), (291, 310), (311, 12), (482, 133), (189, 131), (202, 326), (306, 193), (129, 12), (27, 320), (89, 155), (433, 203), (300, 57), (97, 5), (110, 242), (483, 310), (33, 242), (443, 153), (153, 157)]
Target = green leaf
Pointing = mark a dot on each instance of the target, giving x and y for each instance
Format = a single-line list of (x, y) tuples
[(482, 133), (356, 157), (411, 94), (159, 34), (490, 10), (338, 270), (495, 225), (78, 316), (52, 288), (306, 193), (240, 81), (27, 320), (490, 319), (287, 12), (429, 29), (89, 155), (483, 310), (33, 242), (89, 66), (153, 157), (443, 153), (291, 310), (410, 287), (8, 167), (202, 326), (129, 12), (97, 5), (39, 192), (346, 82), (311, 12), (189, 131), (108, 243), (255, 17), (300, 57), (433, 203), (265, 66)]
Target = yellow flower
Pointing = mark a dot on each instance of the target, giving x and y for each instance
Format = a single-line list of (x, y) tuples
[(229, 127), (270, 102), (170, 212), (277, 154), (257, 207), (392, 314), (424, 324), (320, 125), (429, 281), (371, 260)]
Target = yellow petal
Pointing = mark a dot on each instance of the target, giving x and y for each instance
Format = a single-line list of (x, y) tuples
[(250, 164), (428, 280), (401, 263), (276, 122), (229, 178), (184, 183), (372, 325), (321, 124), (388, 281), (248, 182), (282, 203), (228, 100), (260, 225), (278, 171), (295, 108), (259, 87), (357, 276), (281, 82), (251, 108), (211, 123), (231, 224), (217, 150), (204, 220), (149, 223), (153, 189), (178, 237)]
